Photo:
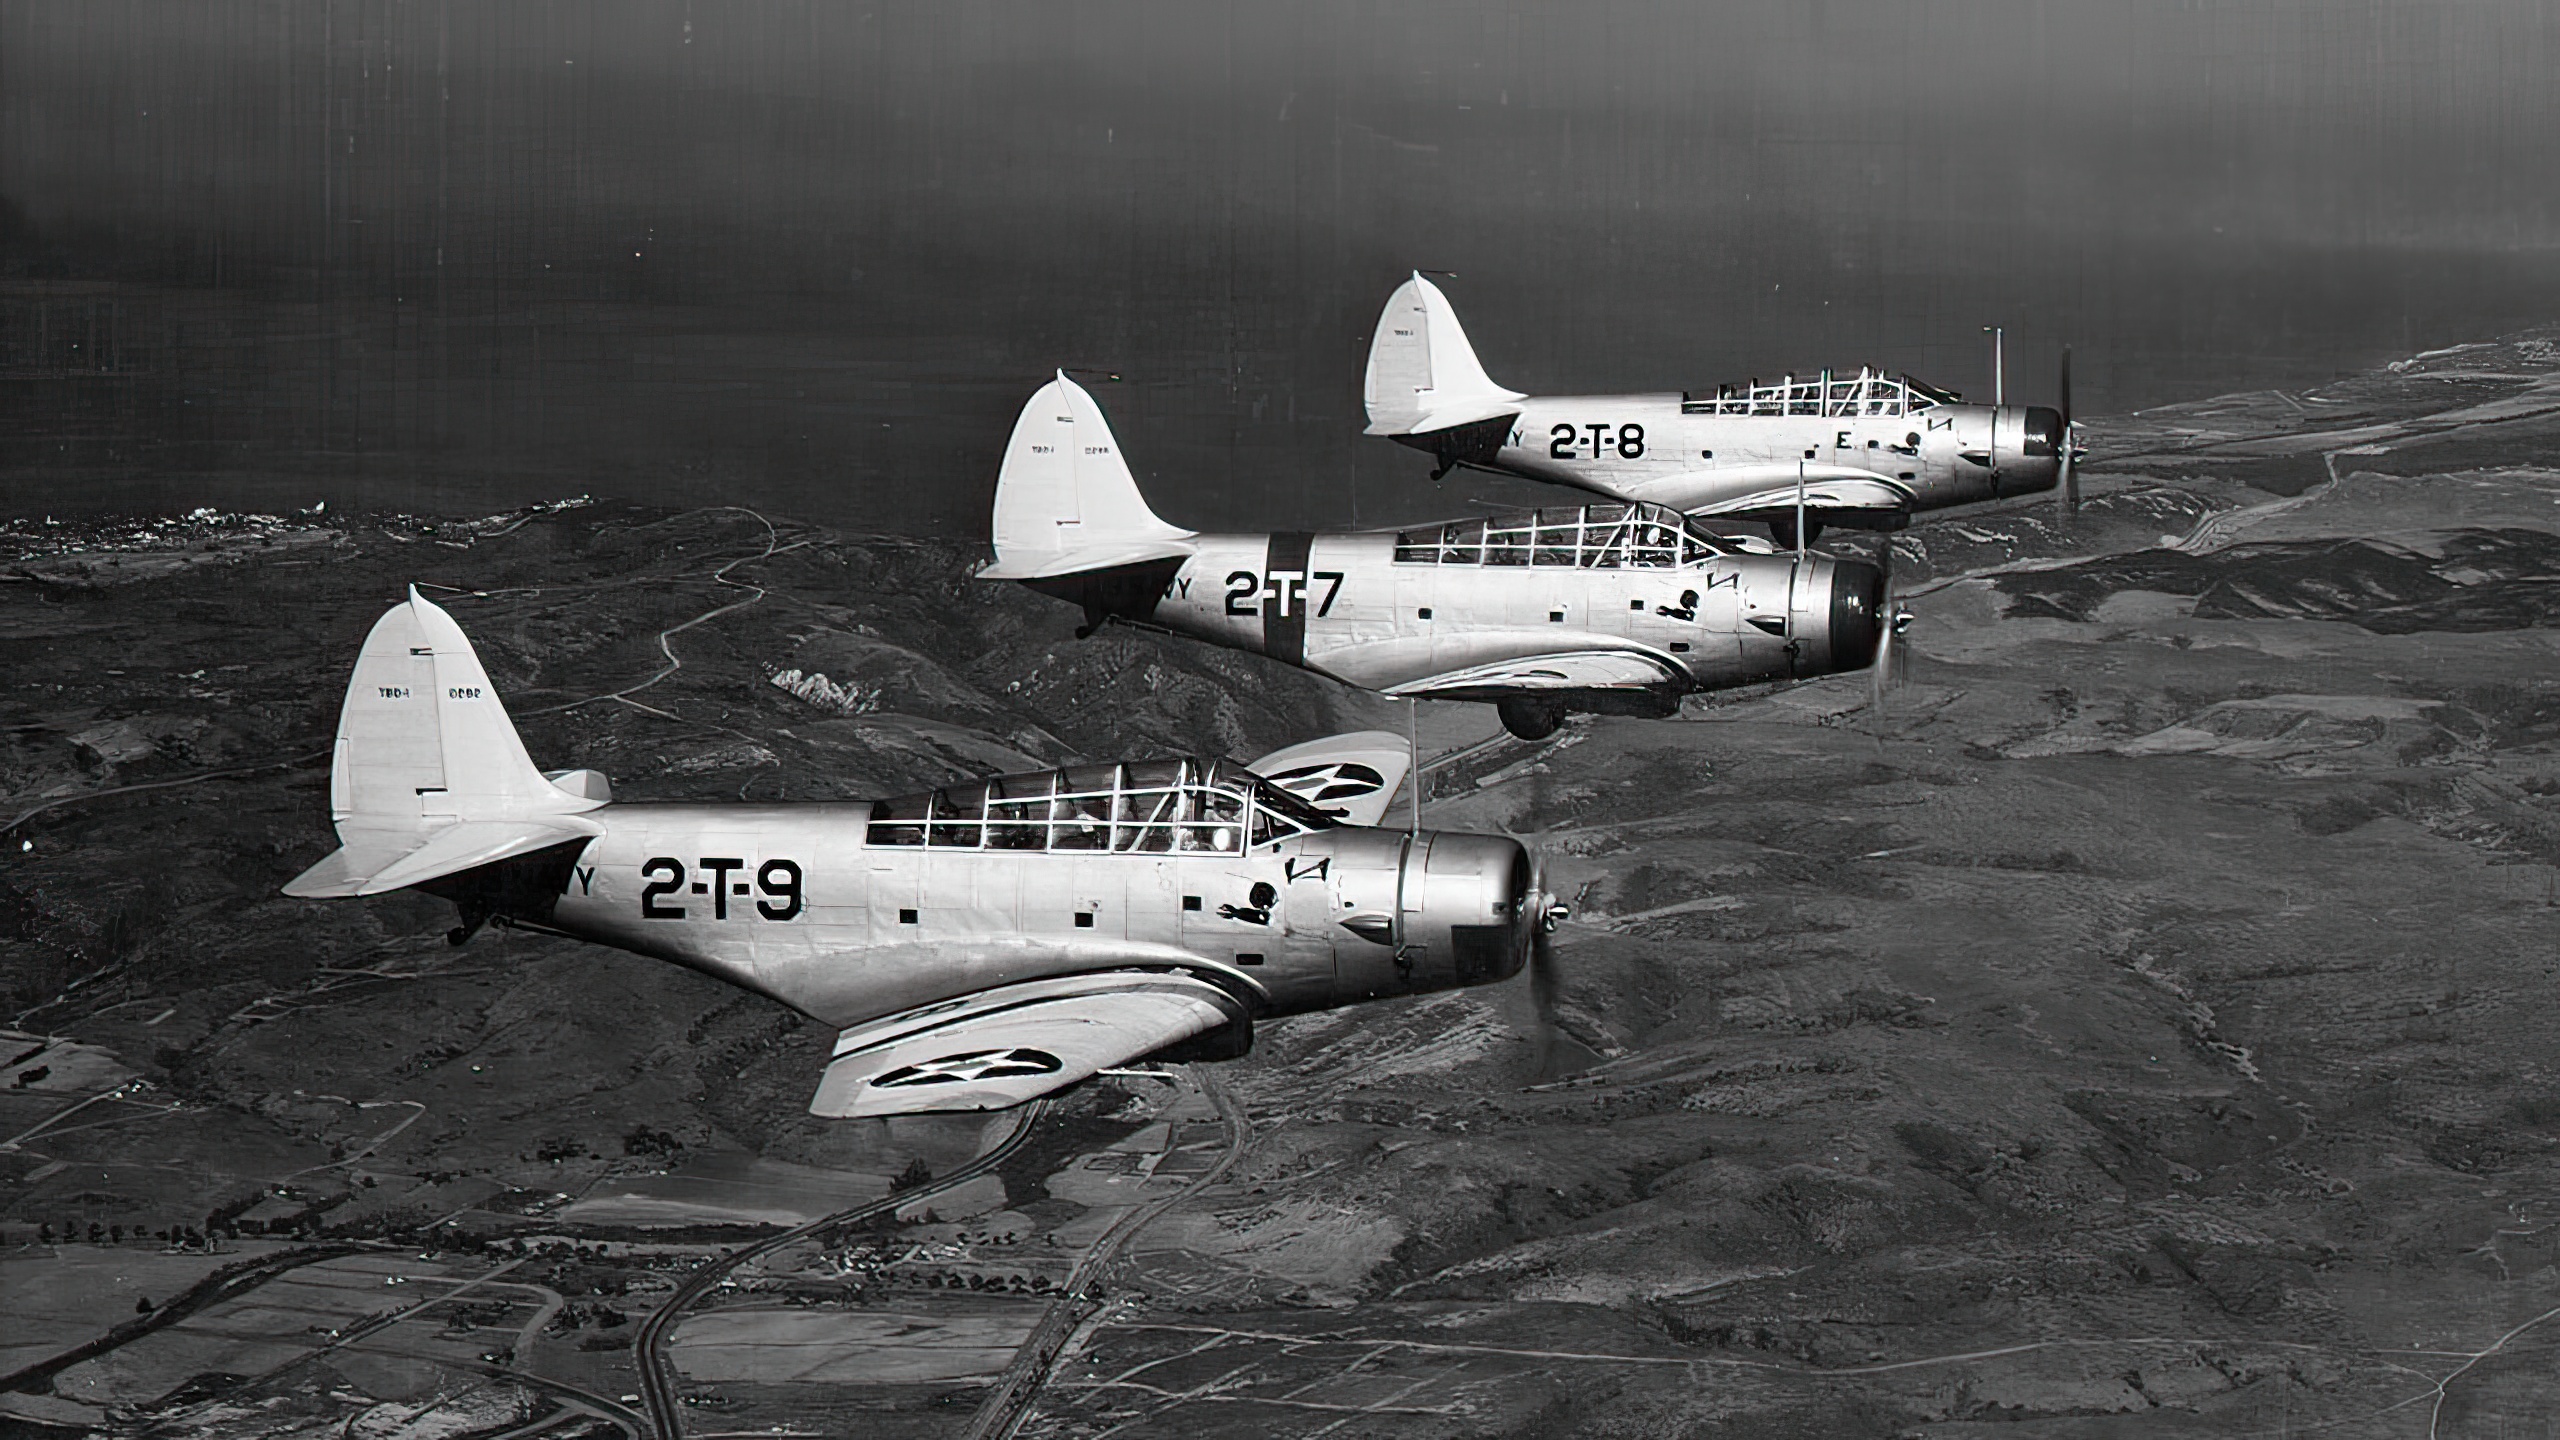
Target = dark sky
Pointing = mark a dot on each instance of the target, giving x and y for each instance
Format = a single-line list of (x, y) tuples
[(813, 256)]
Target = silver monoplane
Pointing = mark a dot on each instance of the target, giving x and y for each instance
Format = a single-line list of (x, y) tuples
[(1860, 451), (1621, 607), (974, 946)]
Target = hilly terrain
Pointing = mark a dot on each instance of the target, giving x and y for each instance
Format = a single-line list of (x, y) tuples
[(2135, 1028)]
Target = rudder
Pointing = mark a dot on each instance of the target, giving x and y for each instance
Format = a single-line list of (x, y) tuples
[(427, 766), (423, 734), (1422, 375), (1066, 501)]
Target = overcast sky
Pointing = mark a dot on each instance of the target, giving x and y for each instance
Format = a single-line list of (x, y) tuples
[(811, 253)]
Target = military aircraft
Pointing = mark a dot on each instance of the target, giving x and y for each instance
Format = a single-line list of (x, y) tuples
[(975, 946), (1620, 608), (1859, 452)]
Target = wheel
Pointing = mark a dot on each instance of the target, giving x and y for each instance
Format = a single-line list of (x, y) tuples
[(1531, 718), (1783, 530)]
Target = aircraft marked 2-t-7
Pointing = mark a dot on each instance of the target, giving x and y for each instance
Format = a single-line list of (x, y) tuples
[(975, 946), (1860, 452), (1616, 607)]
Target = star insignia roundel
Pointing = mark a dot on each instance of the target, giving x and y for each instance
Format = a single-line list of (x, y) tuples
[(971, 1067)]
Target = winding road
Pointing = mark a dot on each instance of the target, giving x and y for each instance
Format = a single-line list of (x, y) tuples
[(773, 546), (648, 1346), (1004, 1411)]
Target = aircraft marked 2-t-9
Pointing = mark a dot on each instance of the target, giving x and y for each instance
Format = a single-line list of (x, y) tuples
[(1617, 607), (1860, 452), (975, 946)]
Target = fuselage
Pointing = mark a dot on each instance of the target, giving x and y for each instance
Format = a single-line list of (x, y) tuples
[(1696, 455), (1608, 597), (849, 912)]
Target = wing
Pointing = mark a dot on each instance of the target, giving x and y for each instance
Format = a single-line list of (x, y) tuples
[(1350, 777), (1566, 670), (1827, 487), (998, 1048)]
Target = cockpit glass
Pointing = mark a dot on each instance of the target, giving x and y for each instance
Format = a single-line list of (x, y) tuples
[(959, 813), (1829, 394), (1586, 537), (1152, 807), (1088, 779)]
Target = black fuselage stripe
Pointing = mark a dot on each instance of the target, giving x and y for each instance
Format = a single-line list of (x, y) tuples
[(1284, 596)]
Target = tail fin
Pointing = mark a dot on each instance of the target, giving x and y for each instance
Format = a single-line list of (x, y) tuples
[(1423, 375), (429, 776), (1065, 500)]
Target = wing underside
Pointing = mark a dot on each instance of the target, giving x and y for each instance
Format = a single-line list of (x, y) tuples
[(1001, 1047), (1775, 493), (1572, 670)]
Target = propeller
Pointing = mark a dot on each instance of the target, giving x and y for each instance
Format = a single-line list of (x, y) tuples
[(2067, 494), (1891, 621), (1542, 912)]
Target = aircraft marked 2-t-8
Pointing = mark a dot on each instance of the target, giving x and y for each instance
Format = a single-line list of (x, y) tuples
[(975, 946), (1860, 452), (1616, 607)]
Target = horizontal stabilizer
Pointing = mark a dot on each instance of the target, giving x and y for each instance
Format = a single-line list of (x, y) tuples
[(1450, 415), (582, 784), (1082, 562), (1576, 670), (375, 862), (1000, 1047), (1350, 777)]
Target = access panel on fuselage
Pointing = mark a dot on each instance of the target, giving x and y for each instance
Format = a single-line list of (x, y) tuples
[(973, 892), (1328, 877), (1355, 595), (893, 881), (1368, 882), (1687, 613), (1078, 895), (1230, 907)]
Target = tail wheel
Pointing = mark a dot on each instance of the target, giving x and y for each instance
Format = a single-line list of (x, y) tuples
[(1531, 717)]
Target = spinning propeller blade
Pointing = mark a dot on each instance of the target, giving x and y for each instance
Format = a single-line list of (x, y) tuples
[(2067, 494), (1539, 913), (1542, 913), (1891, 620)]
